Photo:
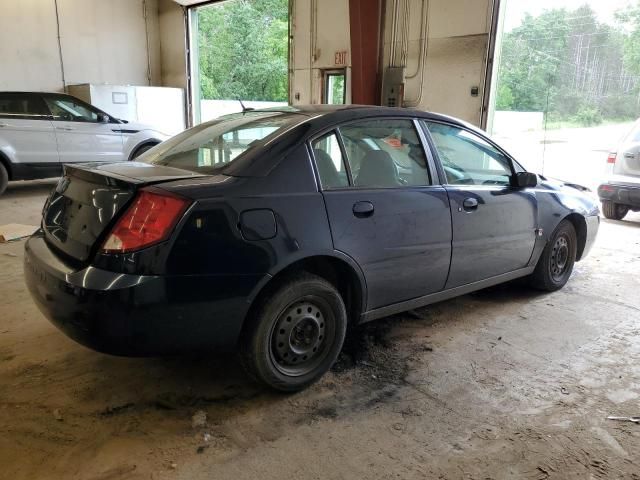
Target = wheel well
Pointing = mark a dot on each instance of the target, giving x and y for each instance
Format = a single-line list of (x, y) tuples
[(7, 164), (146, 143), (580, 224), (337, 272)]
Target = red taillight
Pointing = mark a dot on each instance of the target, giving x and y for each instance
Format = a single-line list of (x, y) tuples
[(149, 220), (611, 158)]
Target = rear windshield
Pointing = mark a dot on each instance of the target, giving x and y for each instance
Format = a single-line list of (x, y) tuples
[(211, 146)]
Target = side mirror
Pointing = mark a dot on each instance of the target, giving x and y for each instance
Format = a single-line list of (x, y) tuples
[(103, 118), (526, 180)]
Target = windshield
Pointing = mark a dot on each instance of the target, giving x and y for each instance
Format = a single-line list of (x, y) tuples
[(211, 146)]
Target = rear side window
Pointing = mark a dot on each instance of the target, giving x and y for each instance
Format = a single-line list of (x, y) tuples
[(385, 153), (22, 106), (330, 162)]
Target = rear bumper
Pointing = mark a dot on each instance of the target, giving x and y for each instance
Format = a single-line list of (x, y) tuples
[(137, 315), (622, 194)]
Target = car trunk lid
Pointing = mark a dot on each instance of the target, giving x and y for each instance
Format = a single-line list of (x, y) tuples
[(88, 197)]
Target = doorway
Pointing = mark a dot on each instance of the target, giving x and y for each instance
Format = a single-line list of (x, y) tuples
[(334, 91), (239, 51)]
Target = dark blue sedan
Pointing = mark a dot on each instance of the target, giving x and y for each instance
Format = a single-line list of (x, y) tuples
[(272, 231)]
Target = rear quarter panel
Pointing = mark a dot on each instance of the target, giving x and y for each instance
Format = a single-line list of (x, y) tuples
[(212, 239)]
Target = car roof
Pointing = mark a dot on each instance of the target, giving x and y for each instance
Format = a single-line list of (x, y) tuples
[(340, 113)]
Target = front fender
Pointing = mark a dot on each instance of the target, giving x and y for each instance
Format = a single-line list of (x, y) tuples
[(558, 201)]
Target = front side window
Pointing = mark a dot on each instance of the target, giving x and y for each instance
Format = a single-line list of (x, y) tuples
[(69, 110), (329, 161), (22, 106), (385, 153), (467, 158)]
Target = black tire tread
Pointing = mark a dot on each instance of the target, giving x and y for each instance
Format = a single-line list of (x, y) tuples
[(613, 211), (4, 178), (541, 278), (252, 350)]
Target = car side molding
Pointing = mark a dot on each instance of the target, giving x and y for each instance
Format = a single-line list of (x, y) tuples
[(443, 295)]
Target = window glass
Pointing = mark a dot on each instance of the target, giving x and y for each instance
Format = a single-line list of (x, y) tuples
[(217, 144), (21, 106), (334, 88), (331, 167), (468, 159), (385, 153), (68, 110)]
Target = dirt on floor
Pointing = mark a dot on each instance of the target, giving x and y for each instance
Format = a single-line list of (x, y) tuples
[(504, 383)]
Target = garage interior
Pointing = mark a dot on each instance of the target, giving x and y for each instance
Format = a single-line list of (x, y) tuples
[(506, 382)]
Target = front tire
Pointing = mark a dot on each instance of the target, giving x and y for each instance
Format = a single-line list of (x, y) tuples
[(295, 333), (4, 178), (614, 211), (556, 262)]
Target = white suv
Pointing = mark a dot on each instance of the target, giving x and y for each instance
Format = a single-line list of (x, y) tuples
[(39, 132), (621, 190)]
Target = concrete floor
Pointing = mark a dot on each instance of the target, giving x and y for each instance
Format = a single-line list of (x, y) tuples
[(504, 383)]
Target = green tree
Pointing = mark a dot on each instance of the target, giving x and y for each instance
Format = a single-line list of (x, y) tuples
[(571, 66), (243, 48)]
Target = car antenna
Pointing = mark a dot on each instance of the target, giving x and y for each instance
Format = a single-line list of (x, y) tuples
[(245, 109)]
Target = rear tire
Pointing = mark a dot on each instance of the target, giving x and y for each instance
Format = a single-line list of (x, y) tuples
[(614, 211), (4, 178), (558, 257), (295, 333)]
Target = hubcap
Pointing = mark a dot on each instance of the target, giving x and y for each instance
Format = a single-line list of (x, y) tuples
[(559, 257), (298, 340)]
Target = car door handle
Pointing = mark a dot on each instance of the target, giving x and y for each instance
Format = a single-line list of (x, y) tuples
[(470, 204), (4, 124), (67, 129), (363, 209), (629, 155)]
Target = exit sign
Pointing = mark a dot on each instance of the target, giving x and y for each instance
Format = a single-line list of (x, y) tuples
[(340, 58)]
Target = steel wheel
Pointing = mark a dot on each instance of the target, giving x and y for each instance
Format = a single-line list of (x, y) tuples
[(295, 332), (559, 257), (555, 264), (301, 335)]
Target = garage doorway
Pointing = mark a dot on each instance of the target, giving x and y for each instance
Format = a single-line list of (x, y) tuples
[(568, 84), (239, 51)]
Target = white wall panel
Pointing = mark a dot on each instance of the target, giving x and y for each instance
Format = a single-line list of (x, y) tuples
[(320, 29), (172, 44), (449, 38), (28, 46), (103, 41)]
